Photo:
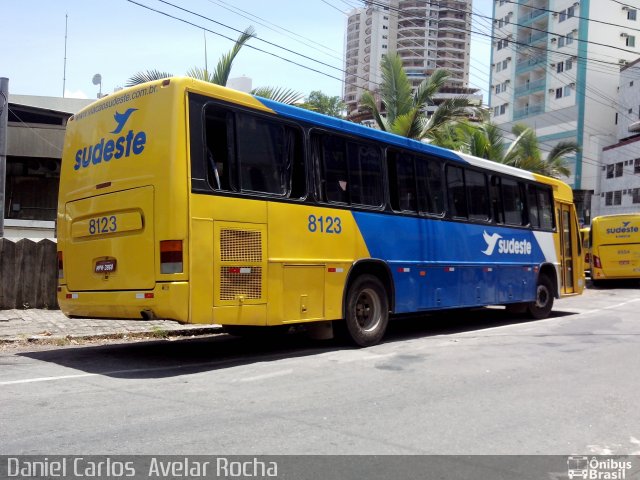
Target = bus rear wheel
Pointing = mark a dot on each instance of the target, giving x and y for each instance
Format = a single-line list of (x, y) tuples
[(542, 305), (367, 311)]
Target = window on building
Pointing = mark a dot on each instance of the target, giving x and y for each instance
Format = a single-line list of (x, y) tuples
[(610, 171), (617, 197), (636, 165), (636, 195), (503, 109), (608, 199), (571, 11), (563, 16), (561, 42), (619, 168), (559, 92), (631, 41), (631, 14), (568, 64), (569, 38), (560, 67), (567, 90)]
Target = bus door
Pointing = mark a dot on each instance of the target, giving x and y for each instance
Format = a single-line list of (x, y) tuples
[(567, 234)]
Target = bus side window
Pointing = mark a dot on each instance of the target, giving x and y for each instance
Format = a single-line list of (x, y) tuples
[(477, 195), (532, 200), (496, 199), (295, 154), (430, 185), (512, 197), (270, 156), (365, 174), (334, 169), (545, 207), (402, 184), (456, 192), (218, 132)]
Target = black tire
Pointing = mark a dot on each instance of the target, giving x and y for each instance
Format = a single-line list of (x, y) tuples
[(367, 311), (542, 305)]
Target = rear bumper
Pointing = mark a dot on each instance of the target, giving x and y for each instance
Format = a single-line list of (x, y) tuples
[(168, 300)]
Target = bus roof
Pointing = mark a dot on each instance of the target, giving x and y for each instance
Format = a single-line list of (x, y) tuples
[(561, 190)]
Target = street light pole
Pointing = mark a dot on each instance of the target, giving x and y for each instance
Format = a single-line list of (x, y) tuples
[(4, 116)]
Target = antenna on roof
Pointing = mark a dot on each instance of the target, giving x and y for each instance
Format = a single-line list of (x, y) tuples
[(97, 80), (64, 71)]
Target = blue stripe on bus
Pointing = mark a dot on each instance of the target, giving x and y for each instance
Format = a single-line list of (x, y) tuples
[(346, 127), (441, 264)]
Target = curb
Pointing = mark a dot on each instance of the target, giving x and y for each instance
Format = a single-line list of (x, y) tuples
[(160, 334)]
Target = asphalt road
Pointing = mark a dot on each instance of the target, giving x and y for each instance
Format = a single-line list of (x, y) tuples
[(464, 382)]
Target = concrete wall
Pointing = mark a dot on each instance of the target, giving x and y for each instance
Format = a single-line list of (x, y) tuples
[(28, 274)]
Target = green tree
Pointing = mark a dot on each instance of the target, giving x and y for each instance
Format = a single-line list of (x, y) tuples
[(406, 110), (322, 103)]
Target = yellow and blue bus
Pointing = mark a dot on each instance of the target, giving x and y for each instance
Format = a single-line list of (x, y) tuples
[(615, 247), (184, 200)]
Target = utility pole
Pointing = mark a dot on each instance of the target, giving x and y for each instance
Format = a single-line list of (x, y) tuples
[(4, 116)]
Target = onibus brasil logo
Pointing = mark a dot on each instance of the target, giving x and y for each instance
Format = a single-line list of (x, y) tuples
[(597, 468), (512, 246), (122, 145)]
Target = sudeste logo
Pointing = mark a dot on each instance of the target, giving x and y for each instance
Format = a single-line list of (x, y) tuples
[(625, 228), (512, 246), (131, 143)]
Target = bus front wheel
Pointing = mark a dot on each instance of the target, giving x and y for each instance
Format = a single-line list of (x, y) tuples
[(542, 305), (367, 311)]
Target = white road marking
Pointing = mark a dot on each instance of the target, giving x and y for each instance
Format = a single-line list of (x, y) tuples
[(100, 374), (266, 376)]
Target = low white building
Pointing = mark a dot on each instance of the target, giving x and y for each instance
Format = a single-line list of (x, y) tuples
[(618, 183)]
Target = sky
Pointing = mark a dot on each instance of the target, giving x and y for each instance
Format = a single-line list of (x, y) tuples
[(119, 38)]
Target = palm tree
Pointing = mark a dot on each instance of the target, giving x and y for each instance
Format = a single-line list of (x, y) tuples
[(406, 111), (146, 76), (278, 94), (219, 76), (486, 140), (528, 155)]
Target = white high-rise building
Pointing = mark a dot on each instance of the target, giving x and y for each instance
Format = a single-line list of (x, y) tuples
[(555, 66), (426, 35)]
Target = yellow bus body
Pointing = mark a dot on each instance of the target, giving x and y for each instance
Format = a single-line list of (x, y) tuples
[(615, 247), (136, 242), (586, 247), (151, 207)]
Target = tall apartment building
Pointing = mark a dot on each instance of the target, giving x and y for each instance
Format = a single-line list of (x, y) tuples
[(426, 35), (555, 67)]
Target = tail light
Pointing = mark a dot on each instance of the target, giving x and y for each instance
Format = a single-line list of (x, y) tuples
[(596, 261), (171, 256), (60, 266)]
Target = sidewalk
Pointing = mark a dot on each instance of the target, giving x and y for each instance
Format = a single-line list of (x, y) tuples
[(52, 326)]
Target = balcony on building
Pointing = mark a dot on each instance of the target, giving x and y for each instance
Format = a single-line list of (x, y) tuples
[(528, 110), (527, 63), (533, 10), (529, 87)]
